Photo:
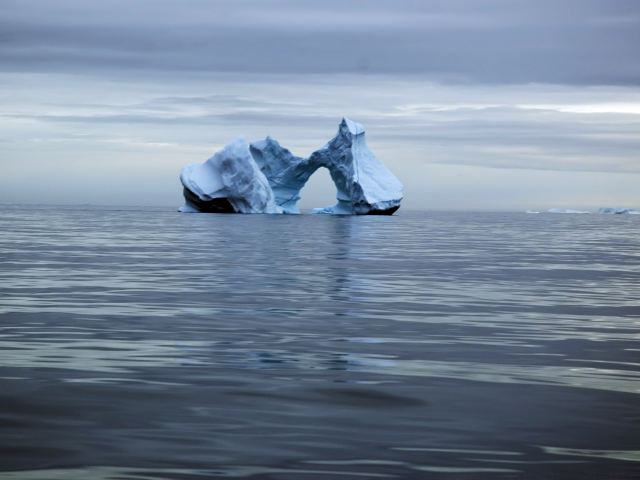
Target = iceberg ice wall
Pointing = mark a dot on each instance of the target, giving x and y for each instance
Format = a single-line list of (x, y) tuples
[(267, 178), (229, 182)]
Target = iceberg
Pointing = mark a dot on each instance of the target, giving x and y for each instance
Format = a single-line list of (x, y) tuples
[(265, 177), (558, 210), (618, 211), (531, 211)]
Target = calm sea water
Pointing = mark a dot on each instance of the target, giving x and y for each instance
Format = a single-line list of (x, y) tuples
[(140, 343)]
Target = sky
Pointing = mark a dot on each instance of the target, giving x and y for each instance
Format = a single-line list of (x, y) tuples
[(472, 104)]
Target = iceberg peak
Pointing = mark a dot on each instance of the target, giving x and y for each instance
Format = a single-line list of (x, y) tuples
[(354, 128)]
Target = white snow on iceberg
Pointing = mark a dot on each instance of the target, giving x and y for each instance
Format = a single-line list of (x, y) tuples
[(618, 211), (365, 186)]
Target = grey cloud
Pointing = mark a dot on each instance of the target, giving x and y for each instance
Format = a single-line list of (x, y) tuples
[(586, 42), (503, 136)]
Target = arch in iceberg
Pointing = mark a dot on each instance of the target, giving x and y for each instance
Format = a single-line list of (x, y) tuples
[(364, 185)]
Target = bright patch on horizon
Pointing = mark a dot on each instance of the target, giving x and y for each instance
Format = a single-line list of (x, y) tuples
[(627, 108)]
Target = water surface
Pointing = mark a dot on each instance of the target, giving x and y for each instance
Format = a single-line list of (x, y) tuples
[(139, 343)]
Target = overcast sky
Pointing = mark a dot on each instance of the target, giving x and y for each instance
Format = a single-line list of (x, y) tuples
[(473, 104)]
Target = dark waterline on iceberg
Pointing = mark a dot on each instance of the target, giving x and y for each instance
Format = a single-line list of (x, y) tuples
[(144, 343)]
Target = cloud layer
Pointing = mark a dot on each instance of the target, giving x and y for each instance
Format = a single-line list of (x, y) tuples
[(583, 42)]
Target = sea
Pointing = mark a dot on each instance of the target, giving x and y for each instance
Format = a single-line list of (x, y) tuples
[(140, 343)]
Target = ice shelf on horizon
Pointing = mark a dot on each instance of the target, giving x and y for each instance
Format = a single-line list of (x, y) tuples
[(264, 177), (618, 211), (559, 210)]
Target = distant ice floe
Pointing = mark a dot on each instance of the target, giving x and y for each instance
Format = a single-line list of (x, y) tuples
[(604, 210), (559, 210), (531, 211), (618, 211)]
